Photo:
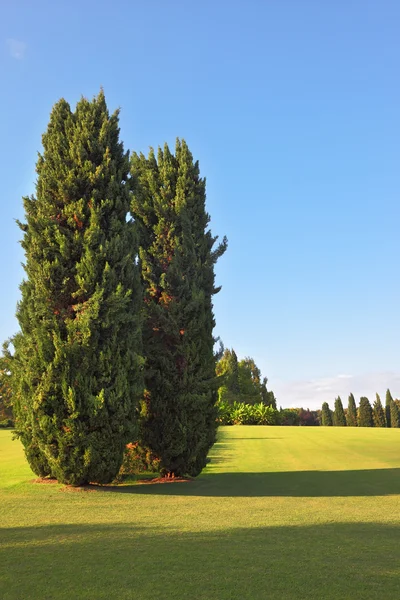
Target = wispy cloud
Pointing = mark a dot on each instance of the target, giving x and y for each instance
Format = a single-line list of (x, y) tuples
[(312, 393), (16, 48)]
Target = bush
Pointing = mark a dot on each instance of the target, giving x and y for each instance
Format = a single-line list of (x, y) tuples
[(224, 414), (289, 416), (266, 415), (240, 413), (6, 424)]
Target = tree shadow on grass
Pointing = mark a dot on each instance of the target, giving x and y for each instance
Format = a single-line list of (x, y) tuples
[(330, 561), (368, 482)]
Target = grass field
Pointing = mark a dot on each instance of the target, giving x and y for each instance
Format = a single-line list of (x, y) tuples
[(280, 513)]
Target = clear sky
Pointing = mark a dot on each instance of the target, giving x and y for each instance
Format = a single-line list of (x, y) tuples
[(292, 109)]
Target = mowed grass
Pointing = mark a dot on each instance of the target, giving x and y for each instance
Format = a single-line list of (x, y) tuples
[(279, 513)]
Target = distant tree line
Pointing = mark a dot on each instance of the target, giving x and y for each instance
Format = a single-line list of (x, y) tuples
[(363, 416), (240, 413), (244, 398)]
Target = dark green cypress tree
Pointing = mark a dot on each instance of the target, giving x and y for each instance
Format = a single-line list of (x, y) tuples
[(389, 401), (177, 264), (233, 383), (339, 418), (326, 415), (75, 368), (394, 414), (365, 413), (351, 416), (379, 413)]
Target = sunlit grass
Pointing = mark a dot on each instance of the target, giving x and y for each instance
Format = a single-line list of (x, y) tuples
[(288, 513)]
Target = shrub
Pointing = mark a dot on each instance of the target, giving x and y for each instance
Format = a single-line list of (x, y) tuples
[(224, 416), (266, 415), (289, 416), (240, 413)]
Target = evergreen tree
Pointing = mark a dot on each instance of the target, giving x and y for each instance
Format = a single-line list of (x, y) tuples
[(365, 413), (351, 416), (267, 396), (75, 368), (177, 257), (394, 414), (339, 416), (249, 381), (227, 370), (389, 401), (379, 413), (326, 415), (5, 390)]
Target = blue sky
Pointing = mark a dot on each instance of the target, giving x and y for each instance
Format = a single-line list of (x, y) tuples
[(292, 109)]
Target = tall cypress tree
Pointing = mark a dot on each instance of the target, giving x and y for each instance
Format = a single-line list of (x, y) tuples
[(351, 416), (177, 258), (326, 415), (76, 367), (365, 413), (389, 401), (378, 413), (339, 416)]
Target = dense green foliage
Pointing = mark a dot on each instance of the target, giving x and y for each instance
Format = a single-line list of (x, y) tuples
[(75, 369), (241, 413), (351, 416), (378, 413), (177, 258), (365, 413), (241, 381), (339, 418), (326, 415)]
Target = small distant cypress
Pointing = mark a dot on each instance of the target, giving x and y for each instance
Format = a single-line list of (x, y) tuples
[(351, 416), (394, 414), (365, 413), (379, 413), (339, 416), (389, 410), (389, 399), (326, 415)]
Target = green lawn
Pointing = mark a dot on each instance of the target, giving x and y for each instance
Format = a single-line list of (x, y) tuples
[(280, 513)]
